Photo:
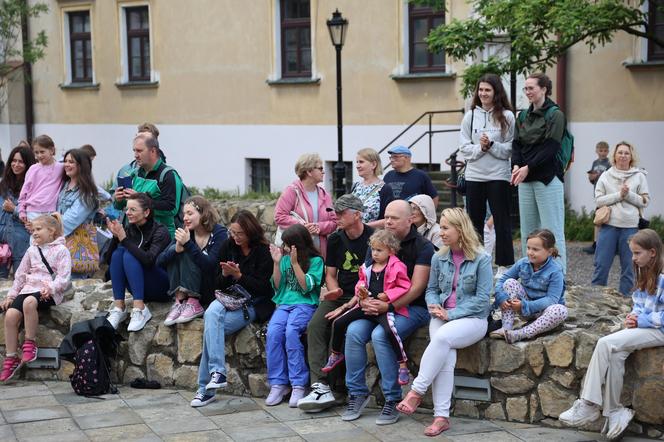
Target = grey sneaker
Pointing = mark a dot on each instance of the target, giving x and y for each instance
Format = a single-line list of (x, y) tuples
[(389, 415), (354, 408), (116, 316)]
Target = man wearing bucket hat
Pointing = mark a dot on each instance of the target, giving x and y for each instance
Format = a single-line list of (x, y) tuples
[(405, 179), (346, 250)]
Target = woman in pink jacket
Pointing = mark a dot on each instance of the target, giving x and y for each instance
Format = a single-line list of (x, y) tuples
[(385, 278), (307, 203)]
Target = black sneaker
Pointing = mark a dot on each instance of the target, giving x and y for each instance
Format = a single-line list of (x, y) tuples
[(590, 250), (217, 380), (389, 414), (354, 408)]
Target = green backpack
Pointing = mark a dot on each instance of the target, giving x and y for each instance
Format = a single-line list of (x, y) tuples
[(180, 199), (565, 155)]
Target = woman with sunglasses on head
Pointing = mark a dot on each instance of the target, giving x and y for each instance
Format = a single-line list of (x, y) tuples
[(306, 202)]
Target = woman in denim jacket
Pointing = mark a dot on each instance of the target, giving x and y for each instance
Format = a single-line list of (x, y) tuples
[(457, 296), (12, 229), (539, 294)]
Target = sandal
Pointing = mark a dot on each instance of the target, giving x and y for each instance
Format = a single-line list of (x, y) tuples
[(410, 403), (438, 425)]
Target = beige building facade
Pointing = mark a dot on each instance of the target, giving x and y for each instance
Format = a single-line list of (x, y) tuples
[(239, 89)]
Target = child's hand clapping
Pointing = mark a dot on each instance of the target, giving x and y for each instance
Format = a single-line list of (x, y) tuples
[(276, 253), (293, 256)]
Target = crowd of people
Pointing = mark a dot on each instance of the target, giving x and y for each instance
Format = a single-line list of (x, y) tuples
[(373, 266)]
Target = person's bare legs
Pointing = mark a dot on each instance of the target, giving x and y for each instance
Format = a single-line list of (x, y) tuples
[(30, 317)]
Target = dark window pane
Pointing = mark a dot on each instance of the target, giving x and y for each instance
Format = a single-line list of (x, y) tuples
[(421, 29), (77, 23), (290, 37), (291, 61), (78, 49), (305, 37), (438, 59), (306, 60), (295, 38), (78, 69), (134, 20), (437, 21), (296, 8), (421, 55), (421, 21)]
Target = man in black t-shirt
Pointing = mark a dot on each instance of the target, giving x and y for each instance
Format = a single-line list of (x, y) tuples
[(346, 249)]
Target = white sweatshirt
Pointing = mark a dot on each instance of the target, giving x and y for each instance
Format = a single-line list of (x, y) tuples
[(624, 211), (494, 164)]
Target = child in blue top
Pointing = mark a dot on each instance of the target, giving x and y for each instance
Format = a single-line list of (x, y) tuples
[(296, 278), (644, 328), (539, 293)]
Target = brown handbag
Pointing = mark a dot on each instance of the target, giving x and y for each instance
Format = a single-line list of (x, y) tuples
[(602, 215)]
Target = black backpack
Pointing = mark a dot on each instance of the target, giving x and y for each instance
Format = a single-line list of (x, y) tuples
[(91, 375)]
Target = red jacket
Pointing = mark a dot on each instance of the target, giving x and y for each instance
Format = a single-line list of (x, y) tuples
[(395, 283)]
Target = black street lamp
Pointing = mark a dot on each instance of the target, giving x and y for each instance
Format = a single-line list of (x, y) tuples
[(337, 26)]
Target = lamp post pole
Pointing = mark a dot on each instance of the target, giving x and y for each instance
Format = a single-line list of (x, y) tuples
[(337, 26)]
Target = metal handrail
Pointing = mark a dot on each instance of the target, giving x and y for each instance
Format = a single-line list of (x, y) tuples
[(429, 132)]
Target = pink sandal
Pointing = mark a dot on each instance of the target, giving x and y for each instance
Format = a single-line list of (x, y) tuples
[(410, 403), (438, 425)]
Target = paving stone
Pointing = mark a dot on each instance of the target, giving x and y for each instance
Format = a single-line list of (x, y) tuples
[(36, 414), (108, 419), (260, 432), (495, 436), (464, 426), (244, 419), (73, 399), (164, 398), (539, 434), (228, 405), (138, 432), (199, 436), (183, 424), (98, 407), (355, 435), (6, 433), (31, 390), (69, 436), (284, 413), (322, 425), (44, 428), (27, 402)]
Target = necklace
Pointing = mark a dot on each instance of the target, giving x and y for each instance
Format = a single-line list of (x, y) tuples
[(379, 274)]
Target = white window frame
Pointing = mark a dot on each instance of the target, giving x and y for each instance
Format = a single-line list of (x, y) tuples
[(124, 51), (275, 75), (66, 43)]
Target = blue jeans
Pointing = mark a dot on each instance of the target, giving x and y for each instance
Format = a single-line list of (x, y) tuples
[(543, 207), (219, 322), (144, 283), (362, 331), (611, 240), (285, 353), (18, 238)]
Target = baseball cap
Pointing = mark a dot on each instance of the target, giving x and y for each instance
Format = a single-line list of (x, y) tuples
[(347, 201)]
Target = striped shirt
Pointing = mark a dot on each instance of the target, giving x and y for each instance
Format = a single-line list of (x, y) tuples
[(650, 307)]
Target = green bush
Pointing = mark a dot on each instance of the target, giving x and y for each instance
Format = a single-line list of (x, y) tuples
[(657, 224), (578, 226), (211, 193)]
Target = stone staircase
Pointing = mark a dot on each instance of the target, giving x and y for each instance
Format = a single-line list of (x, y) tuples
[(439, 178)]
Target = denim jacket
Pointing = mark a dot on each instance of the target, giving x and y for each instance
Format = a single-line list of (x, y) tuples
[(73, 209), (543, 288), (473, 285)]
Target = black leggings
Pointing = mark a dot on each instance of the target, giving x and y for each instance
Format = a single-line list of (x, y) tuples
[(386, 320)]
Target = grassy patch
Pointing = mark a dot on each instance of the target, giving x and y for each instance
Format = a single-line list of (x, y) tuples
[(211, 193)]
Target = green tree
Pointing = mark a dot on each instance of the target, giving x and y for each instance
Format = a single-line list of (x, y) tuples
[(14, 51), (538, 31)]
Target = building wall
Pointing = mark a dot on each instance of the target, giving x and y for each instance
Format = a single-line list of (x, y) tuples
[(215, 108)]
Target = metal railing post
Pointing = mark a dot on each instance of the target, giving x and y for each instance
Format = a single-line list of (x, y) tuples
[(453, 178), (430, 141)]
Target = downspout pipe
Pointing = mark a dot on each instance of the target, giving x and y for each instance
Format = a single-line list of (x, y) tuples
[(561, 83), (27, 83)]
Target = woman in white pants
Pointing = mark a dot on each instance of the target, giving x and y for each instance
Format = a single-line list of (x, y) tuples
[(644, 328), (458, 300)]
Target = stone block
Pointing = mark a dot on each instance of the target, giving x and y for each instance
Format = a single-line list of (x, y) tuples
[(248, 348), (186, 376), (81, 315), (190, 341), (165, 336), (505, 357), (535, 354), (474, 359), (560, 349), (48, 337), (267, 215), (515, 384), (517, 408), (235, 385), (649, 362), (417, 343), (132, 372), (372, 375), (495, 411), (584, 349), (90, 300), (61, 314), (140, 343), (466, 409), (535, 415), (258, 385), (647, 400), (160, 368), (554, 399), (566, 378)]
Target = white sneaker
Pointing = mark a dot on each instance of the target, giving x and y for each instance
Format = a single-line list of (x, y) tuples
[(500, 271), (617, 423), (139, 318), (317, 400), (116, 316), (580, 414)]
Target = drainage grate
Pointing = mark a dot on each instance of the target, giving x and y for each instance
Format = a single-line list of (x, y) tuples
[(472, 388)]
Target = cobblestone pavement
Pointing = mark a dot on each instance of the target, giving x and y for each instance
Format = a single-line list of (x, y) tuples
[(50, 411)]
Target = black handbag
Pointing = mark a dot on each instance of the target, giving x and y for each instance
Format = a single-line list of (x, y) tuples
[(643, 223)]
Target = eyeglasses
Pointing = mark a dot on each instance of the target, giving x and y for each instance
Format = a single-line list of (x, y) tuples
[(396, 156), (321, 168)]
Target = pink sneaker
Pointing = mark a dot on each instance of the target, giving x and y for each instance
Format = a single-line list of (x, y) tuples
[(29, 351), (191, 310), (174, 314), (334, 360), (10, 368)]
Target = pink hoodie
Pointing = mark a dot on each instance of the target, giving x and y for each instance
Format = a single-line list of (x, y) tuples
[(289, 201), (32, 275), (395, 283), (41, 188)]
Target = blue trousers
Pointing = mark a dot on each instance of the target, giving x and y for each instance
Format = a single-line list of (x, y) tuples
[(144, 283), (611, 240), (362, 331), (286, 363), (219, 322), (543, 207)]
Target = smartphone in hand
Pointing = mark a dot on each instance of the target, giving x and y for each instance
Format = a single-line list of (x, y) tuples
[(125, 182)]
